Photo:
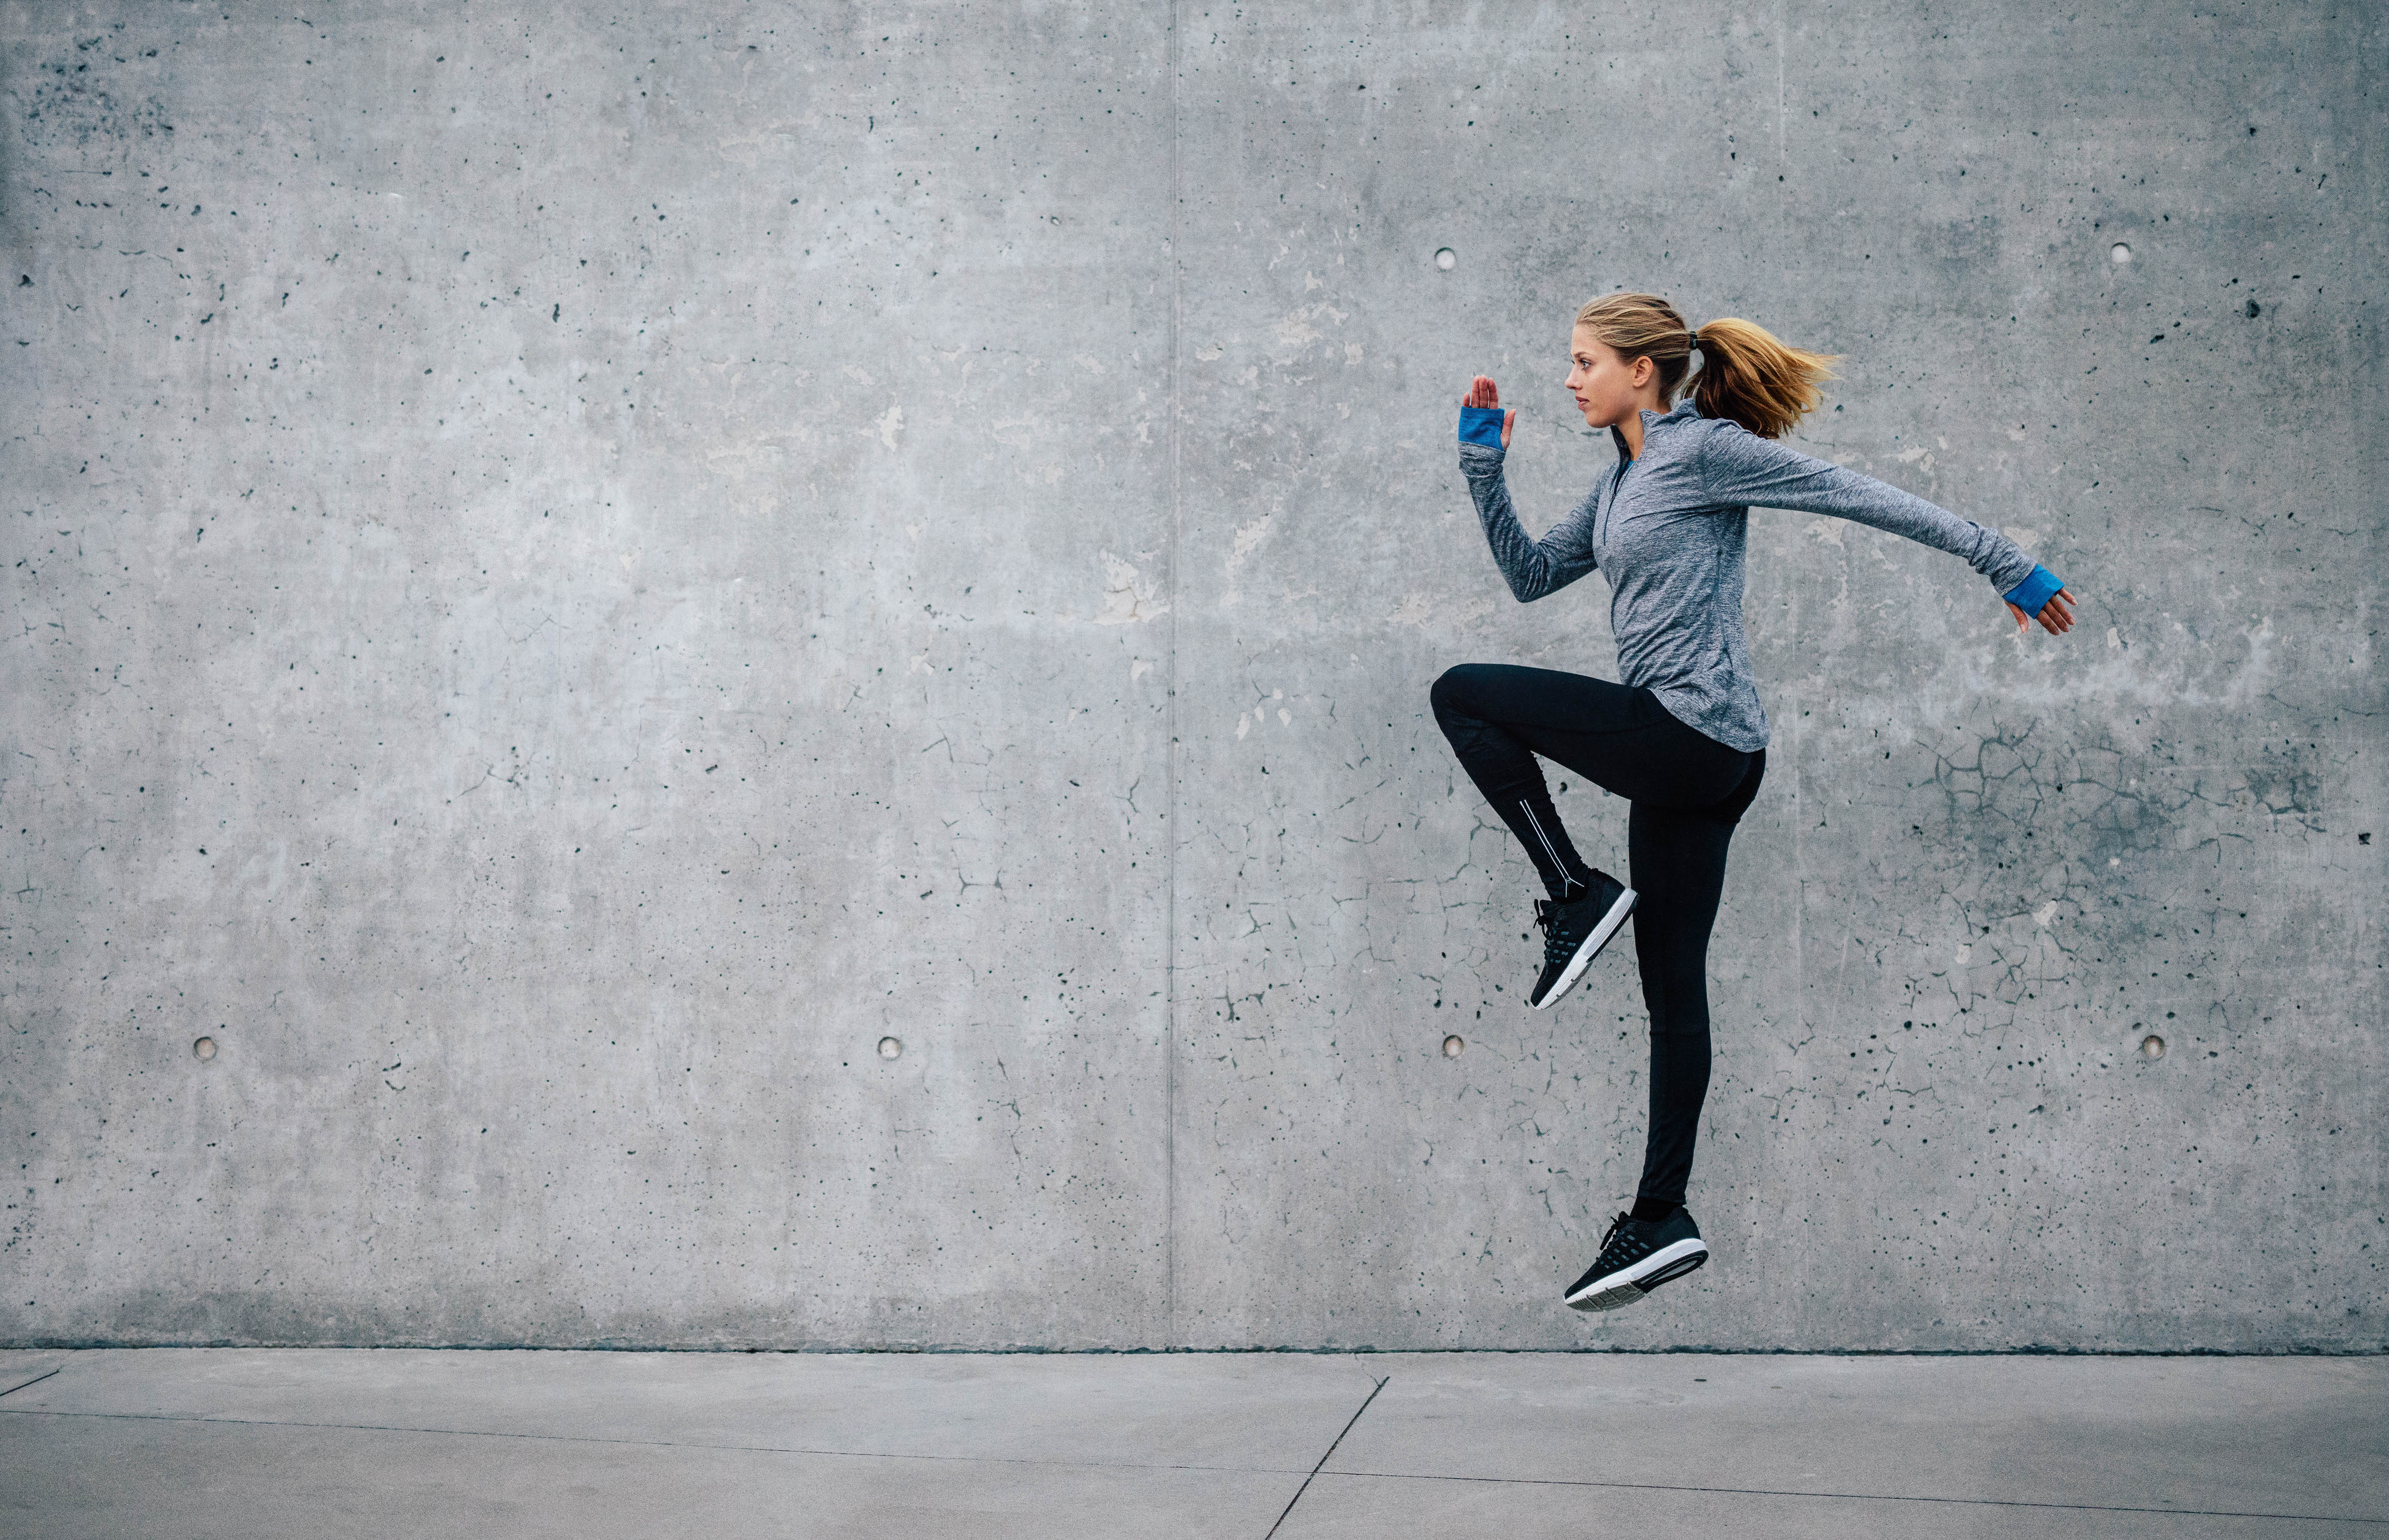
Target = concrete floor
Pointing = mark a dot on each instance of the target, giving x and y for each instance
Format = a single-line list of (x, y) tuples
[(316, 1443)]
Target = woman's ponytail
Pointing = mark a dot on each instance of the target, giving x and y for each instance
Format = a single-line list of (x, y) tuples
[(1747, 376)]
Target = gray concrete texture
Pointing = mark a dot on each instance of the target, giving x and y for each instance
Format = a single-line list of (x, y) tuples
[(261, 1443), (573, 571)]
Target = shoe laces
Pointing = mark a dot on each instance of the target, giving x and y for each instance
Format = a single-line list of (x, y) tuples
[(1621, 1246), (1555, 944)]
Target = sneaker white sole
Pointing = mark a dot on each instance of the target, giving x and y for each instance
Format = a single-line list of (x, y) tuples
[(1591, 949), (1629, 1284)]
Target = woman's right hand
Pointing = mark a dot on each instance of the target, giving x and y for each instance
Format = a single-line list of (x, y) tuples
[(1484, 392)]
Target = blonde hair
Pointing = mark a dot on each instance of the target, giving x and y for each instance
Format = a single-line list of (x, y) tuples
[(1746, 375)]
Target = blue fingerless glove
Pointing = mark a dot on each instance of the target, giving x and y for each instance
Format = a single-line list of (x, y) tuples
[(2028, 596), (1481, 425)]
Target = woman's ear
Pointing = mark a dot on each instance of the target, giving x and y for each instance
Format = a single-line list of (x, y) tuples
[(1644, 371)]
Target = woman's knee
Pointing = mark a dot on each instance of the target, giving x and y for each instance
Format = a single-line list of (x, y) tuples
[(1454, 689)]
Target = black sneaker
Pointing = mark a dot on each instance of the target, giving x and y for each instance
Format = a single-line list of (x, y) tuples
[(1638, 1256), (1574, 934)]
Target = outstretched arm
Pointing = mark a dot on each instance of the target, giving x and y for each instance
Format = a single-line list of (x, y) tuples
[(1533, 567), (1738, 468)]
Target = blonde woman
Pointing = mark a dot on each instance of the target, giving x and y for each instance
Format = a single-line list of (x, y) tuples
[(1682, 737)]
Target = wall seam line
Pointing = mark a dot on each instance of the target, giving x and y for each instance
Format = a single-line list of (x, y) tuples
[(1169, 747)]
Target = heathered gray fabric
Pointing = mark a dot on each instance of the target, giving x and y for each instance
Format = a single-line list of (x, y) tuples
[(1669, 527)]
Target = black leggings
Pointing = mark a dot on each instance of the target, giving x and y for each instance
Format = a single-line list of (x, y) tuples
[(1688, 791)]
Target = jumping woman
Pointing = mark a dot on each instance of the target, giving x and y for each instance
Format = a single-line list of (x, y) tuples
[(1682, 738)]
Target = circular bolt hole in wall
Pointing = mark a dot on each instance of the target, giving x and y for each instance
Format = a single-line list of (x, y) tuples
[(1453, 1047), (2119, 253), (1447, 259), (890, 1047), (2152, 1046), (204, 1049)]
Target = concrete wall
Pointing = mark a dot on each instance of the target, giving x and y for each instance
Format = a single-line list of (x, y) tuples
[(570, 573)]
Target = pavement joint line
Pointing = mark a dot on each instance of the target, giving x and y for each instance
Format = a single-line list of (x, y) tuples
[(660, 1444), (1325, 1457), (35, 1380), (1856, 1497)]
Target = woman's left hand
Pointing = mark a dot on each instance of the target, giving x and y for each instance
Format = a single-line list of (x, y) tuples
[(2056, 616)]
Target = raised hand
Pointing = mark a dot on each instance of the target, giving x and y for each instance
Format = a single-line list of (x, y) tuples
[(2056, 616), (1484, 392)]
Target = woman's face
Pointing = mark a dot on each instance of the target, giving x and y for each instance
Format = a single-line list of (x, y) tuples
[(1608, 389)]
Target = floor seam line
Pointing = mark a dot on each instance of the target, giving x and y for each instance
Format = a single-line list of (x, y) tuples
[(647, 1444), (35, 1380), (1325, 1457), (1852, 1497)]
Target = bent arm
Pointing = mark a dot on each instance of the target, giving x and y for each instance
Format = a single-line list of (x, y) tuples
[(1739, 469), (1533, 567)]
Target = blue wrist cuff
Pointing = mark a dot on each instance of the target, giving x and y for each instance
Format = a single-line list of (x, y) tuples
[(1481, 425), (2035, 591)]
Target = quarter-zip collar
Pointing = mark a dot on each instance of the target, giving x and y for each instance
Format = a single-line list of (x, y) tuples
[(1684, 412)]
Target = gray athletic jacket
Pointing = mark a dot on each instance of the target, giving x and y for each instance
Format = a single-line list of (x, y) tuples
[(1669, 527)]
